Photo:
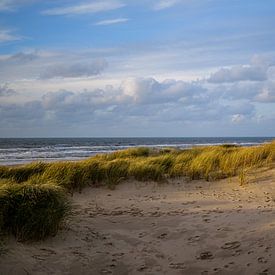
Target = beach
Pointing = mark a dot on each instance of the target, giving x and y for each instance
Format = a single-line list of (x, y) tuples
[(137, 137), (172, 227)]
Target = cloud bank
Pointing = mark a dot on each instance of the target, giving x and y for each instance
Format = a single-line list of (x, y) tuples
[(145, 102), (142, 98)]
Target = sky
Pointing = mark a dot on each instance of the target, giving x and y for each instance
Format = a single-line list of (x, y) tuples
[(130, 68)]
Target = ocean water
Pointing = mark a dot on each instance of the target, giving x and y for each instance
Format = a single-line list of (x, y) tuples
[(24, 150)]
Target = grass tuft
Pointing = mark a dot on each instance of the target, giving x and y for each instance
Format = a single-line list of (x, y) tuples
[(22, 173), (32, 212), (128, 153)]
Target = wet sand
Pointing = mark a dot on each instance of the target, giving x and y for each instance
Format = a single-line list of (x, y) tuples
[(178, 227)]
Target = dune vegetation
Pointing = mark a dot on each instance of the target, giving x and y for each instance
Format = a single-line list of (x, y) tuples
[(34, 198)]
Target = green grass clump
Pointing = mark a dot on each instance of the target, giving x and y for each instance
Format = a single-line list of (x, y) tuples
[(165, 162), (115, 171), (94, 171), (144, 170), (32, 212), (247, 158), (22, 173), (128, 153), (182, 162), (207, 164), (70, 175)]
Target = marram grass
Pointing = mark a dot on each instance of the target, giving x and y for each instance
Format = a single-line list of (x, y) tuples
[(30, 211), (33, 199)]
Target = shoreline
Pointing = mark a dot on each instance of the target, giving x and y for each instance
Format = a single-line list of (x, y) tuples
[(89, 145)]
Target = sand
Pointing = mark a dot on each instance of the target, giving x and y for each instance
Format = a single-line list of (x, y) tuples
[(178, 227)]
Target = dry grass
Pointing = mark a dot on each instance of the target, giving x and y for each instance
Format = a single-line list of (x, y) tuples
[(32, 196), (209, 163)]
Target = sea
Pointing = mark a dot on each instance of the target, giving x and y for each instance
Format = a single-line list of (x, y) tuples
[(15, 151)]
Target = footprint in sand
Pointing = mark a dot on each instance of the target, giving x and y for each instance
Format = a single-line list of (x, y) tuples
[(119, 254), (45, 253), (177, 265), (142, 268), (194, 239), (113, 264), (224, 229), (237, 252), (264, 272), (162, 236), (105, 271), (231, 245), (207, 255), (188, 202), (262, 260), (109, 243), (142, 234)]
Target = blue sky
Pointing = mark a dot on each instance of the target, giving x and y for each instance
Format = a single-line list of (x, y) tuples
[(137, 68)]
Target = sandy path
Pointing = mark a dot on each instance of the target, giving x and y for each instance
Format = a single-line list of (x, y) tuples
[(176, 228)]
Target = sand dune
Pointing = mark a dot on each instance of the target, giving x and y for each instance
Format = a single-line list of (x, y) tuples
[(178, 227)]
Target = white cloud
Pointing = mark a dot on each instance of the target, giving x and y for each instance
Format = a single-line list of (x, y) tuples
[(19, 58), (267, 94), (109, 100), (237, 90), (239, 73), (86, 69), (146, 102), (11, 5), (18, 113), (86, 7), (137, 98), (237, 118), (7, 35), (111, 21), (6, 91), (5, 5), (42, 65), (150, 91), (165, 4)]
